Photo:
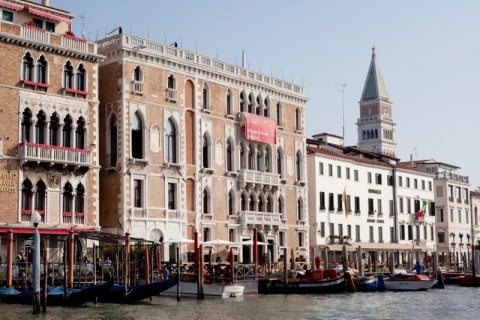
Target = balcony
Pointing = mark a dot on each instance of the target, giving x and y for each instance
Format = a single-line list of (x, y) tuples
[(66, 41), (35, 152), (171, 94), (259, 178), (255, 218), (137, 87)]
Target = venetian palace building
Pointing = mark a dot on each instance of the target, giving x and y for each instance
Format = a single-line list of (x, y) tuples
[(193, 144), (48, 132)]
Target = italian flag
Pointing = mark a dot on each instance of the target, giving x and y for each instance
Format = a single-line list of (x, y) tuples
[(422, 211)]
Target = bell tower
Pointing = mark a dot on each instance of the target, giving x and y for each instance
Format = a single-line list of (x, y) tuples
[(375, 125)]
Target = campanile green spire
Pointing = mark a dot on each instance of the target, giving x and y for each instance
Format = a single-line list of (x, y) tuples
[(374, 87)]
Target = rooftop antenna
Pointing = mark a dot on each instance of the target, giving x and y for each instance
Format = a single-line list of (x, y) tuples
[(342, 90), (243, 58), (82, 17)]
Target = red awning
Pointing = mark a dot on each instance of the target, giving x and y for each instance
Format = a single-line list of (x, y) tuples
[(11, 6), (48, 15)]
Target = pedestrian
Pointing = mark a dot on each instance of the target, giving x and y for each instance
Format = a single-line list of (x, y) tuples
[(318, 262), (165, 272)]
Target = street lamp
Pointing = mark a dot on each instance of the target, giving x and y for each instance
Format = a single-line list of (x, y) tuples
[(36, 218)]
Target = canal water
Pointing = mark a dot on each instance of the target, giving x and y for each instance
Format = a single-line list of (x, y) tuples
[(452, 303)]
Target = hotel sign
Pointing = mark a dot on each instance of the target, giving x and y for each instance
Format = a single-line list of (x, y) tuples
[(7, 182)]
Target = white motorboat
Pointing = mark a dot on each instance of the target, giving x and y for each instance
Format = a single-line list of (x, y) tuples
[(409, 282)]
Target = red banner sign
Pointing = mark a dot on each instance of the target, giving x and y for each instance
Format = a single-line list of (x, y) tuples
[(260, 129)]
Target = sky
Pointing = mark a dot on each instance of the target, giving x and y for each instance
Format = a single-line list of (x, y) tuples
[(428, 52)]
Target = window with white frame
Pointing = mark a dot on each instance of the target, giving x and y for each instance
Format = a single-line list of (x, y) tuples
[(172, 196), (137, 193), (170, 142)]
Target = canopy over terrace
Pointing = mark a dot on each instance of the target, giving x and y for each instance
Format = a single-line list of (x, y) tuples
[(108, 237)]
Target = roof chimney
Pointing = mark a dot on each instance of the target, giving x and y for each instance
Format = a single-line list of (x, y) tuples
[(45, 2)]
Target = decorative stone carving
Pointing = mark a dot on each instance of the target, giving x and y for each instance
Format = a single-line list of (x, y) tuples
[(54, 180)]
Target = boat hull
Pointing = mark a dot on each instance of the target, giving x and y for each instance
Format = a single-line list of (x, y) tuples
[(409, 282), (294, 286), (132, 294), (365, 284), (209, 289), (468, 281)]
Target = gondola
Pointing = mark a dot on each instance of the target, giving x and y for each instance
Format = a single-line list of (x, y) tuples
[(55, 295), (132, 294)]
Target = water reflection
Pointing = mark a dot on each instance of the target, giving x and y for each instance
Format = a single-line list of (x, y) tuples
[(451, 303)]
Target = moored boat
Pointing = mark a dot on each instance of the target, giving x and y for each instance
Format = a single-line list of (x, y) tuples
[(222, 290), (469, 281), (452, 277), (132, 294), (408, 282), (366, 283), (312, 283), (56, 295)]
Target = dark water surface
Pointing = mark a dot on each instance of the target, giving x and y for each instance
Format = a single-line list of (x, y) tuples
[(452, 303)]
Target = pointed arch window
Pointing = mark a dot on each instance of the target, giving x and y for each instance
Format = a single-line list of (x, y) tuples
[(137, 74), (259, 158), (205, 152), (258, 106), (279, 114), (171, 82), (40, 196), (252, 203), (67, 131), (250, 103), (266, 161), (80, 199), (242, 102), (42, 70), (279, 162), (261, 205), (280, 207), (27, 196), (266, 108), (269, 207), (170, 142), (299, 166), (26, 120), (137, 136), (80, 134), (81, 78), (137, 80), (228, 102), (230, 203), (229, 156), (67, 199), (40, 128), (68, 75), (53, 130), (205, 200), (243, 202), (251, 158), (112, 156), (298, 119), (206, 97), (242, 157), (171, 88), (27, 67), (300, 210)]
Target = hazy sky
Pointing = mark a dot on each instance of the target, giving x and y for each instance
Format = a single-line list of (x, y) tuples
[(428, 52)]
